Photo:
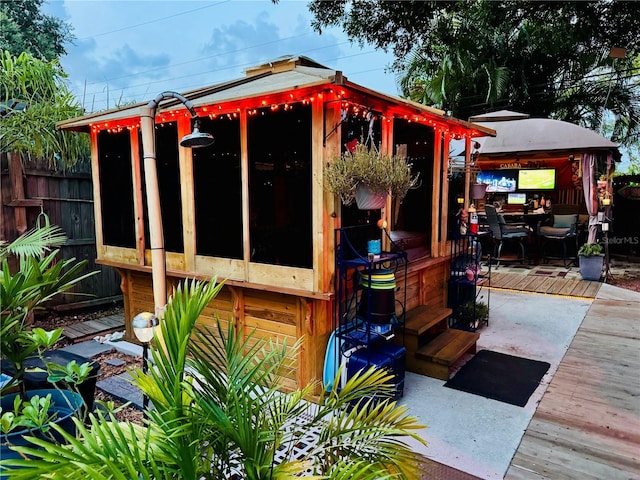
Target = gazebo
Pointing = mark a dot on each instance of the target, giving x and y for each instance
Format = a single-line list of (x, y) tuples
[(575, 158), (252, 210)]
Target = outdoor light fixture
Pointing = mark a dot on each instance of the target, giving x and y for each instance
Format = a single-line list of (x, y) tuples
[(144, 325), (196, 139), (156, 237)]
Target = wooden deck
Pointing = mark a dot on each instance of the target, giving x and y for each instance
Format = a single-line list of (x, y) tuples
[(91, 328), (548, 285), (587, 424)]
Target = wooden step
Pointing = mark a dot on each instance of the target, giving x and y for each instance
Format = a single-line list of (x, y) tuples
[(423, 317), (448, 347)]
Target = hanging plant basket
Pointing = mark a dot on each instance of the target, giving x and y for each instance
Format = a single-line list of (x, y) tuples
[(366, 199), (478, 190)]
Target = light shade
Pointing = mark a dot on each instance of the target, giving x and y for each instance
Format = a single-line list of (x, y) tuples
[(196, 139), (144, 325)]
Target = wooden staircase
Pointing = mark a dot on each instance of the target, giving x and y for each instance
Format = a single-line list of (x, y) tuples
[(433, 347)]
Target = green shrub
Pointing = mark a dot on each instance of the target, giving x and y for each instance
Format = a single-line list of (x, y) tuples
[(591, 249)]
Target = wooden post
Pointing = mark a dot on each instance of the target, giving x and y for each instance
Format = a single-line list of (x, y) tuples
[(467, 170), (17, 191), (436, 200), (444, 219)]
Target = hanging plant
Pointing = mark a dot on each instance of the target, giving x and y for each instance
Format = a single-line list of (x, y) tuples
[(382, 174)]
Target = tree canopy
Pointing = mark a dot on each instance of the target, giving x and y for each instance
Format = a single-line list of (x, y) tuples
[(24, 28), (548, 59)]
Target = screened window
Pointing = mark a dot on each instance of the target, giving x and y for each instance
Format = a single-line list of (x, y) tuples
[(217, 180), (169, 186), (414, 214), (116, 188), (280, 186)]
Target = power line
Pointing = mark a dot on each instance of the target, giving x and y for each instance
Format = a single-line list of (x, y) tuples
[(154, 20), (208, 57)]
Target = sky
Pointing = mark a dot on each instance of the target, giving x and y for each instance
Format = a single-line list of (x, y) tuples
[(129, 51)]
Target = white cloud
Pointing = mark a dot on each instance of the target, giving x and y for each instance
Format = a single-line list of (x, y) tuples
[(130, 50)]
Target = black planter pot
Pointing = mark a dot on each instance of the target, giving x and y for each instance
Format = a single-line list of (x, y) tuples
[(37, 379)]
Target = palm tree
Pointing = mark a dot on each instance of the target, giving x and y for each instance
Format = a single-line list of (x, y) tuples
[(218, 412)]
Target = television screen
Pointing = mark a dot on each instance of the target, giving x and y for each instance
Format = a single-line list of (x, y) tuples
[(538, 179), (498, 181), (516, 198)]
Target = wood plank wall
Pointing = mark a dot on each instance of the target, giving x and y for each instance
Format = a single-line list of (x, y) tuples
[(67, 200), (275, 316), (287, 319)]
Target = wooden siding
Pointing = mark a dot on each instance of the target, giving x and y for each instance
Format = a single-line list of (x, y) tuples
[(279, 317), (286, 318)]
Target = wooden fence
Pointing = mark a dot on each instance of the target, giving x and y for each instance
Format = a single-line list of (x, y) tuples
[(33, 190)]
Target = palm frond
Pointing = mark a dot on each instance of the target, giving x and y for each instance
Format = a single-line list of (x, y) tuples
[(34, 243)]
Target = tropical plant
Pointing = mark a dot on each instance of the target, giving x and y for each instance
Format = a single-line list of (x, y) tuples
[(218, 413), (590, 249), (34, 97), (39, 278), (381, 173)]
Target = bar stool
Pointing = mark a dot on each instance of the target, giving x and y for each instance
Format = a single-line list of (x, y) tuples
[(563, 230)]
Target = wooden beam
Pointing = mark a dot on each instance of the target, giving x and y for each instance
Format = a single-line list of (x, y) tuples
[(467, 170), (97, 200), (25, 202), (435, 193), (17, 191), (444, 211), (244, 171), (317, 193), (185, 163), (138, 203)]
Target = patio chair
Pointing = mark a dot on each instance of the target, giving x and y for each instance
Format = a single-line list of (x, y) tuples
[(562, 229), (503, 232)]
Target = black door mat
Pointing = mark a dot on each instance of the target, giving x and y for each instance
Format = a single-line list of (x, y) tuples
[(500, 377)]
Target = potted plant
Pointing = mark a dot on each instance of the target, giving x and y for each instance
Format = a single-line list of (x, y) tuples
[(591, 261), (368, 177), (472, 314), (218, 412), (37, 278)]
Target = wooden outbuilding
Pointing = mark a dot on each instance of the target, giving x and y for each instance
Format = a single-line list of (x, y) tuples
[(252, 209)]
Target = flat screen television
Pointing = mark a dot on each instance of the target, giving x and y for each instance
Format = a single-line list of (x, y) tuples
[(516, 198), (537, 179), (498, 181)]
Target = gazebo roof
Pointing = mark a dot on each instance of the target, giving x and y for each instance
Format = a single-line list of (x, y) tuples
[(282, 75), (518, 133)]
